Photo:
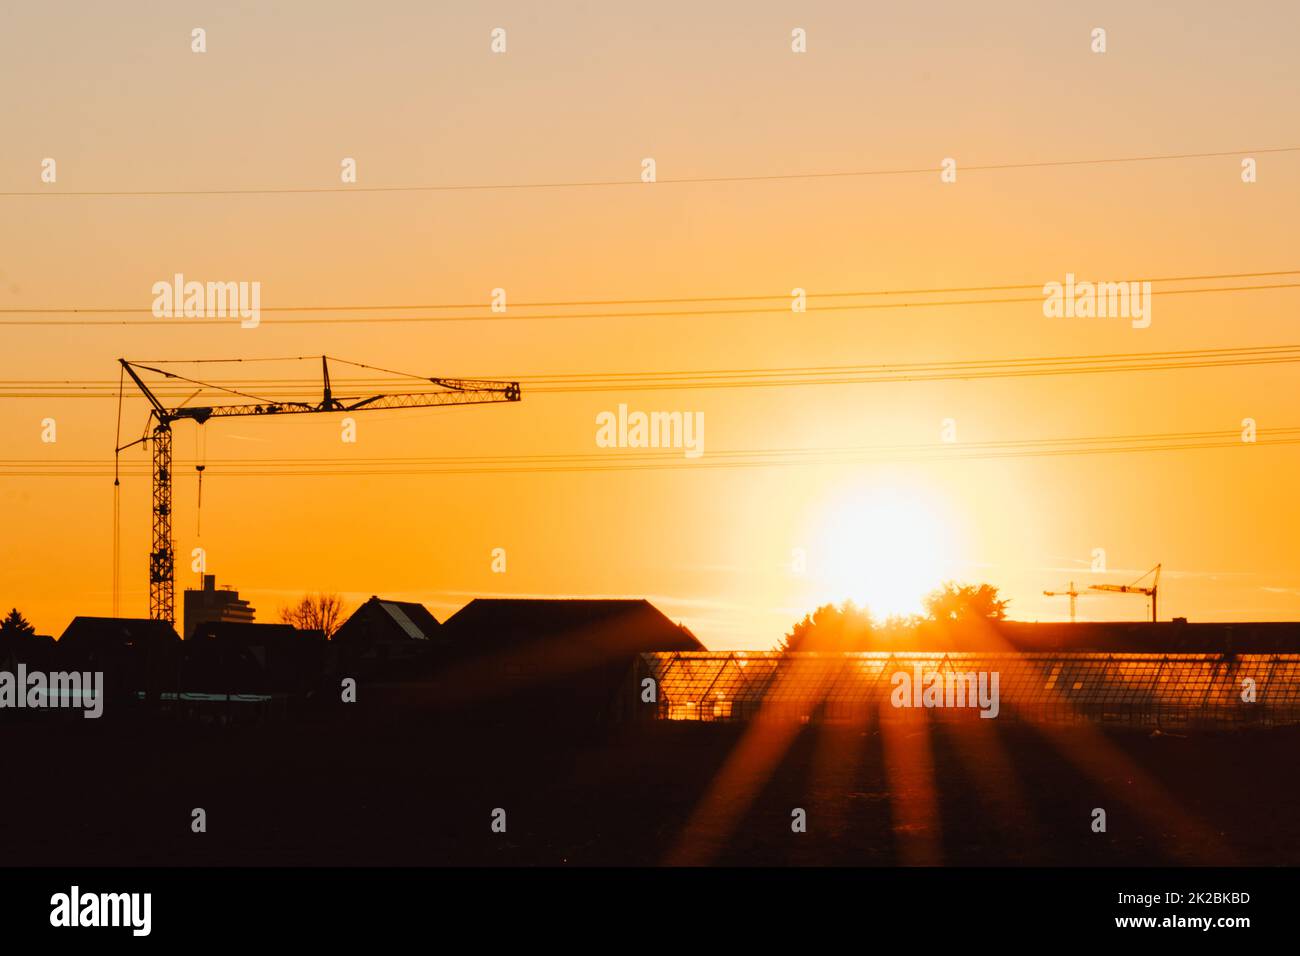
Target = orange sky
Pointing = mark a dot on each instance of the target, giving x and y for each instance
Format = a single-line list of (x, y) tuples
[(584, 92)]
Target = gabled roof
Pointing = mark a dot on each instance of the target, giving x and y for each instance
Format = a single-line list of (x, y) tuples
[(380, 619), (100, 632), (619, 625), (406, 614)]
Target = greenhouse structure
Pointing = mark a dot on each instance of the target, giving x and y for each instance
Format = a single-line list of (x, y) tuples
[(1135, 689)]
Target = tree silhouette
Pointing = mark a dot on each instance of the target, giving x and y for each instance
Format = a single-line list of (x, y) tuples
[(15, 626), (852, 628), (965, 602), (830, 628), (315, 612)]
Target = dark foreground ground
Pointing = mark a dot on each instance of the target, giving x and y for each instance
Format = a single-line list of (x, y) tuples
[(421, 789)]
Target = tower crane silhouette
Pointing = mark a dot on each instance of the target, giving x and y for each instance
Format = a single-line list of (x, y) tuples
[(1134, 588), (1073, 593), (158, 434)]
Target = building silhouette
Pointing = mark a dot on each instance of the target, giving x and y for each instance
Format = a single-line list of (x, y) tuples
[(212, 605)]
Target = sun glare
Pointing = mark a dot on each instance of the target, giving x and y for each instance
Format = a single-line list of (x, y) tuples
[(885, 549)]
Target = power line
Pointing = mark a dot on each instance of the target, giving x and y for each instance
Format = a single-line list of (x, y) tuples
[(601, 183), (625, 460), (657, 455), (753, 377), (671, 462), (562, 376), (195, 322), (748, 297)]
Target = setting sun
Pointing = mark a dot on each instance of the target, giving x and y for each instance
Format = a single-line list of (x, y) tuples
[(883, 548)]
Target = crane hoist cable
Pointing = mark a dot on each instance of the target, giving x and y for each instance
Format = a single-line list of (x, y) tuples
[(201, 457), (117, 497)]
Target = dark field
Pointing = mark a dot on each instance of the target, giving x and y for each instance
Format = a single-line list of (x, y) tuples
[(421, 790)]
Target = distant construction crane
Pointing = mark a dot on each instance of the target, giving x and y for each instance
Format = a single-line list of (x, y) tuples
[(1073, 594), (162, 558), (1133, 588)]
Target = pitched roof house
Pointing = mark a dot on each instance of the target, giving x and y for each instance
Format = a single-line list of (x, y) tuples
[(612, 625), (567, 655), (383, 636), (136, 655)]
